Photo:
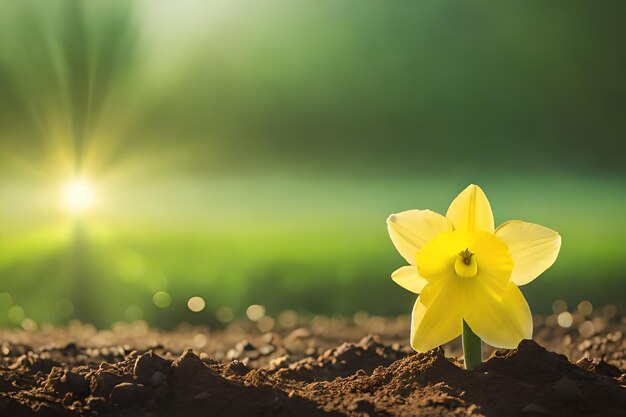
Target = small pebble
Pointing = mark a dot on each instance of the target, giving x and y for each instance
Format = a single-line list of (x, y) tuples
[(567, 389), (158, 378), (534, 408)]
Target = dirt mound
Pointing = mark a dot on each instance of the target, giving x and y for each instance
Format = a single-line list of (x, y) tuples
[(342, 361), (527, 381), (367, 378), (146, 385)]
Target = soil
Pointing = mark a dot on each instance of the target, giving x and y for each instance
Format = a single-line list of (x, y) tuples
[(319, 367)]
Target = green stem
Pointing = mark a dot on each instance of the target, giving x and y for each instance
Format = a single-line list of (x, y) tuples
[(472, 350)]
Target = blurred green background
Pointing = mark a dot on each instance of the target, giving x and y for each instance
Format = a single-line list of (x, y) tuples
[(249, 152)]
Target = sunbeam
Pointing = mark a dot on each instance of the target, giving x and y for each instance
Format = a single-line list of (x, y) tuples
[(79, 196)]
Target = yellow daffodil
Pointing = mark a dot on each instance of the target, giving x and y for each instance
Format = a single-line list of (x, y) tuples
[(466, 271)]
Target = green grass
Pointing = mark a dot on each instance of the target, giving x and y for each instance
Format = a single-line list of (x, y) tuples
[(313, 244)]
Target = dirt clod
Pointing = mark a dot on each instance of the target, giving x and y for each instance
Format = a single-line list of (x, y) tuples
[(61, 382), (148, 364), (125, 392)]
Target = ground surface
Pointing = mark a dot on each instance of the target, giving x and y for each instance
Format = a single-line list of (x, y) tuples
[(323, 367)]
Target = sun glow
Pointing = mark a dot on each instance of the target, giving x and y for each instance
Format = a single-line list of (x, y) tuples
[(78, 196)]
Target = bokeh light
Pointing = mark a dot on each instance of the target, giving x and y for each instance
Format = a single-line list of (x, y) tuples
[(224, 314), (255, 312), (16, 314), (288, 319), (585, 308), (196, 304), (586, 329), (559, 306), (565, 319), (265, 324), (162, 299)]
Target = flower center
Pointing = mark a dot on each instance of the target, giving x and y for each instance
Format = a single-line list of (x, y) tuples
[(465, 265)]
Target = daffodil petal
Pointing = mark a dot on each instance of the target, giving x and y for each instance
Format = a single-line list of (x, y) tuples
[(495, 263), (471, 211), (439, 320), (408, 278), (500, 321), (534, 248), (412, 229), (436, 259)]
